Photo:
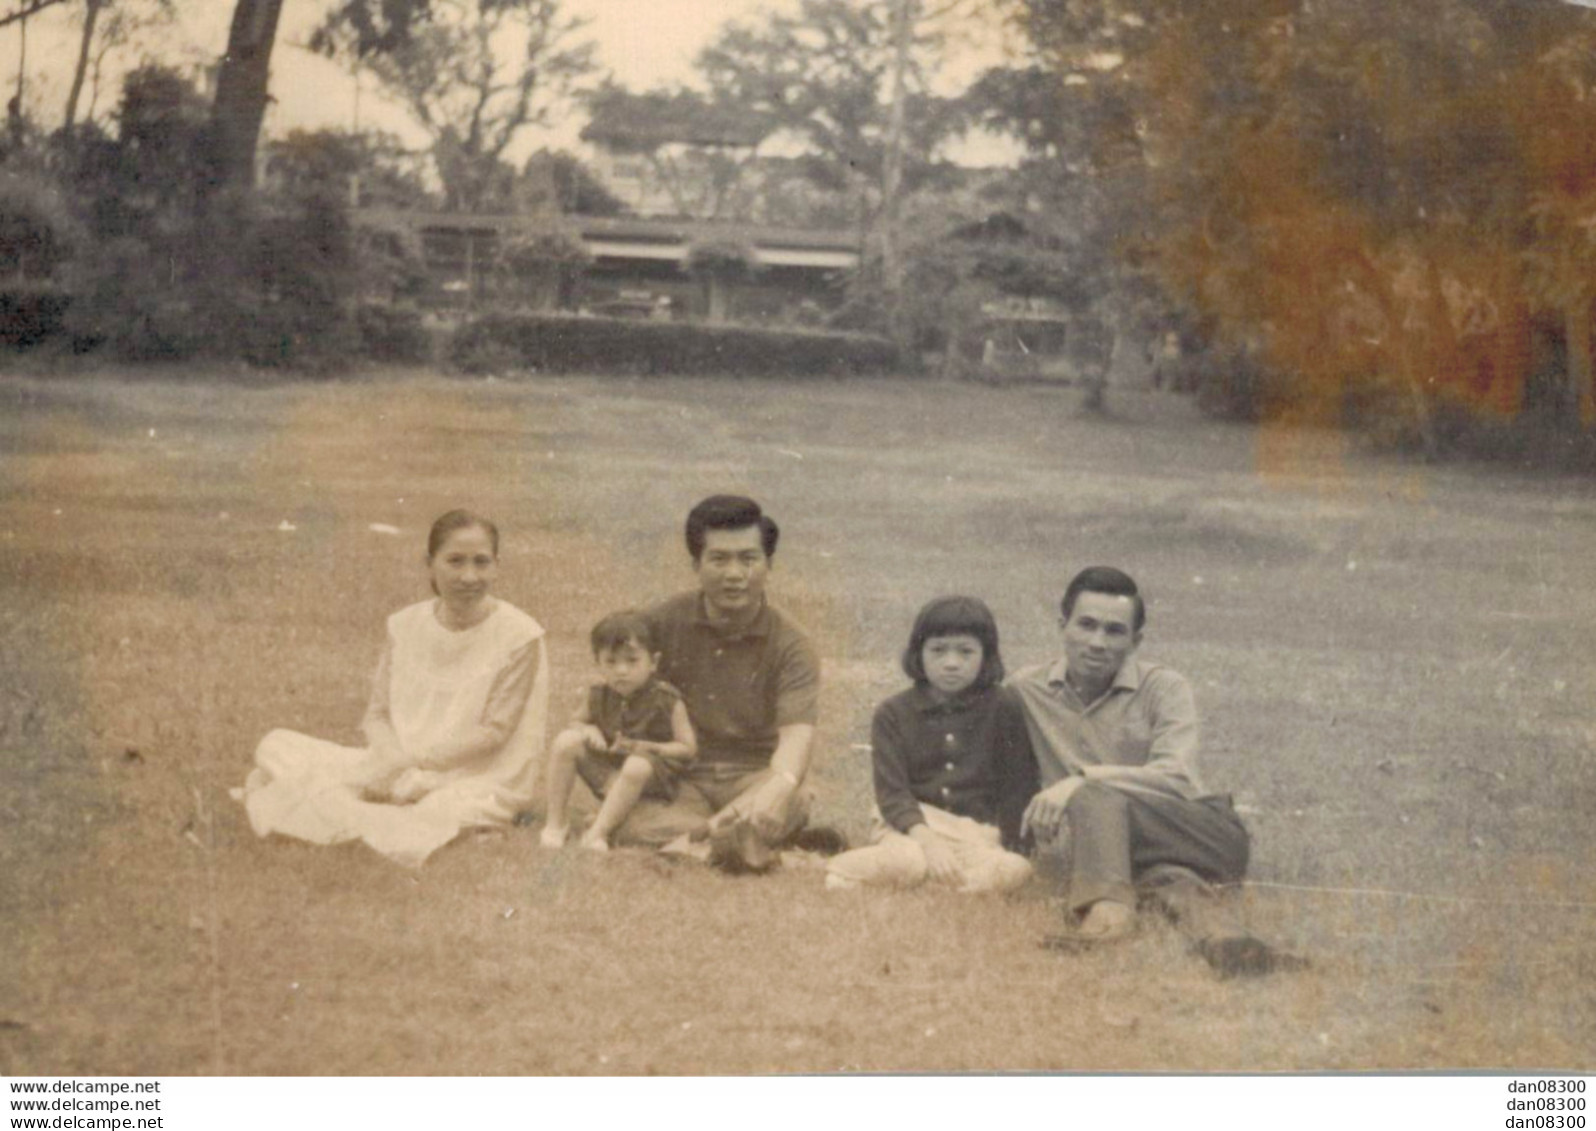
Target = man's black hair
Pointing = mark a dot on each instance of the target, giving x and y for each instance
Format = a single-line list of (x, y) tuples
[(1104, 579), (729, 512)]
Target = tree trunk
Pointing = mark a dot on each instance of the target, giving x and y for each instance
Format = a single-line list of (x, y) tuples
[(716, 290), (903, 19), (1576, 325), (16, 123), (91, 16), (1103, 345), (241, 92)]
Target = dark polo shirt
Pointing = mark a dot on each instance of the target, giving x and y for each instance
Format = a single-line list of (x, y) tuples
[(740, 687)]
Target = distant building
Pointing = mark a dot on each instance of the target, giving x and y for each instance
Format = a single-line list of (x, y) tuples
[(686, 157), (631, 266), (677, 155)]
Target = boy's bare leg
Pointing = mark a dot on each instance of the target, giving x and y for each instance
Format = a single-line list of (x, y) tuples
[(624, 791), (567, 748)]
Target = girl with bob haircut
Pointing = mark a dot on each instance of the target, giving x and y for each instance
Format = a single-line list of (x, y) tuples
[(952, 764), (454, 727)]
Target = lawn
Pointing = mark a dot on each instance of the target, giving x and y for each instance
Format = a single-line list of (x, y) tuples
[(1394, 665)]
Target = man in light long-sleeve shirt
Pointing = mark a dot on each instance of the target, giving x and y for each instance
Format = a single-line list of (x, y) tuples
[(1116, 746)]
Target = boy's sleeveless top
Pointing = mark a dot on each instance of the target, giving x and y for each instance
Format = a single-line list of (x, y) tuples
[(645, 714)]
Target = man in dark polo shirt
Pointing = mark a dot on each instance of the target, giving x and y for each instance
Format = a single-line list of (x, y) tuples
[(1116, 746), (750, 678)]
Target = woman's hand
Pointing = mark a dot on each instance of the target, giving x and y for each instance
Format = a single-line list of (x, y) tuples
[(593, 739), (414, 784), (374, 775)]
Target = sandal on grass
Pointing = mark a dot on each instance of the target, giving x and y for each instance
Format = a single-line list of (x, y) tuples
[(1244, 956)]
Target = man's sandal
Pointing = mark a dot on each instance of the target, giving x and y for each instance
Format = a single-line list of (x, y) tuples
[(1244, 956)]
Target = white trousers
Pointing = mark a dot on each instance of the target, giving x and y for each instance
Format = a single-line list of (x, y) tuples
[(893, 859)]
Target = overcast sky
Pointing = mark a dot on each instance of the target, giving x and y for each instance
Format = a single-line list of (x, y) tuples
[(643, 42)]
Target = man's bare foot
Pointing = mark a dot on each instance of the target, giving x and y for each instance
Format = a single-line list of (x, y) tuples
[(1106, 920), (554, 836), (594, 842)]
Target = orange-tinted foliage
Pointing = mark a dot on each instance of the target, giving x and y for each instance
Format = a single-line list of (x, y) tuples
[(1378, 199)]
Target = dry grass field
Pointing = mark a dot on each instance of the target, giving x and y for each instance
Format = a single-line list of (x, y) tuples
[(1394, 664)]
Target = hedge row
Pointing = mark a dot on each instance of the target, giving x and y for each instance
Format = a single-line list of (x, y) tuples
[(392, 333), (550, 343), (554, 343), (31, 314)]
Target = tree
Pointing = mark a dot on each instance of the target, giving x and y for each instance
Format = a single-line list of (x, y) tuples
[(138, 194), (1084, 188), (368, 169), (699, 150), (555, 181), (1364, 192), (23, 12), (824, 77), (91, 17), (368, 27), (474, 92), (719, 263), (241, 83), (540, 266), (107, 25)]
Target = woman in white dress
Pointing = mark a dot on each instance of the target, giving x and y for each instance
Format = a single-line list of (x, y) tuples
[(454, 730)]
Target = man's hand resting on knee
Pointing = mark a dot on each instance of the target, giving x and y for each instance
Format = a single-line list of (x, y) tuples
[(1044, 816)]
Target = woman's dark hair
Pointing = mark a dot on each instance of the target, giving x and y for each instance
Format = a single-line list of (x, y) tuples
[(729, 512), (1104, 579), (447, 524), (620, 629), (955, 616)]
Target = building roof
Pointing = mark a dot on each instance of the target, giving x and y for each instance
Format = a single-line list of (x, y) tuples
[(633, 237), (641, 123)]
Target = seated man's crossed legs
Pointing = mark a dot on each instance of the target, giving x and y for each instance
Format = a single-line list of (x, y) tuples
[(709, 809), (1163, 849)]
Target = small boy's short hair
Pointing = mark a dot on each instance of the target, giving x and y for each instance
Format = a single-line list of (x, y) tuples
[(620, 629)]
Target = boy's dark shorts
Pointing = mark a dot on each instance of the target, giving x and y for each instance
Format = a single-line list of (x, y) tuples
[(598, 770)]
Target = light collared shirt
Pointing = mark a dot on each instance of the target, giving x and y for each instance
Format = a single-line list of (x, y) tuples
[(1140, 734)]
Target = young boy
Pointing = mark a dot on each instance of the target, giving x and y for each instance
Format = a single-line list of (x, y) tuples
[(628, 739)]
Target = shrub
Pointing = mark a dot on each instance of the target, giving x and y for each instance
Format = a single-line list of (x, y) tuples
[(1234, 384), (293, 274), (537, 267), (37, 230), (392, 333), (389, 262), (124, 300), (575, 344), (727, 259), (31, 313)]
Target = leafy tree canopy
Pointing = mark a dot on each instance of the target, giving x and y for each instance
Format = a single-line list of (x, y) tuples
[(625, 122), (823, 75), (475, 74)]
